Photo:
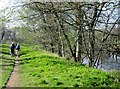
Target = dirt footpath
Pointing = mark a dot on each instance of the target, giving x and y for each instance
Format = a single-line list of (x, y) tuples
[(14, 77)]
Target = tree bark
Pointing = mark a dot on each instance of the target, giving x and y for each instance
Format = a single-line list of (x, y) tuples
[(92, 38), (68, 41), (60, 44)]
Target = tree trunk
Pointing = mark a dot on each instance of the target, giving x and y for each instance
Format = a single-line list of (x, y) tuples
[(79, 45), (92, 38), (52, 48), (66, 37), (79, 32), (2, 35), (60, 44)]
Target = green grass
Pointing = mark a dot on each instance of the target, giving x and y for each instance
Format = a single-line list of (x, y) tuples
[(44, 69), (6, 64)]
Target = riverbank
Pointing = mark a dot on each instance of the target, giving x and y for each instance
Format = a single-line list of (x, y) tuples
[(44, 69)]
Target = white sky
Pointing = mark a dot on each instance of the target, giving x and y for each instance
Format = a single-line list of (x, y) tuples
[(8, 3), (4, 4)]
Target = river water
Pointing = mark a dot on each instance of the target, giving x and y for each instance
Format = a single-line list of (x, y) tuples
[(108, 64)]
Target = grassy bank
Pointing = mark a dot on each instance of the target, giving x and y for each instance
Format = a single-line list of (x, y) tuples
[(6, 64), (43, 69)]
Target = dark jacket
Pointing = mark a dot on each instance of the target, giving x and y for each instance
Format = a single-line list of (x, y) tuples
[(17, 47), (12, 46)]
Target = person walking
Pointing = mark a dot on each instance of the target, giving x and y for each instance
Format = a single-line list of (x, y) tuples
[(12, 48), (18, 50)]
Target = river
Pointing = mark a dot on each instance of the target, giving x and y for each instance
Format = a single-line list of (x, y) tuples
[(108, 64)]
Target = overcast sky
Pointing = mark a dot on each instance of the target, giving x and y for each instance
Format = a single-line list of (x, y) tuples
[(8, 3), (4, 3)]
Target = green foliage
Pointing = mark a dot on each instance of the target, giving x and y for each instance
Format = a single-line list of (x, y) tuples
[(43, 69), (6, 64)]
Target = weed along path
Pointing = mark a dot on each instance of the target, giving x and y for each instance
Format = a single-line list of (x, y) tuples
[(13, 80)]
